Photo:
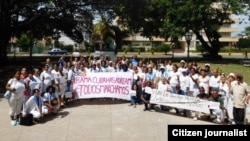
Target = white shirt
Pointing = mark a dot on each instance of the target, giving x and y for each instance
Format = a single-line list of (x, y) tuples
[(55, 75), (174, 78), (19, 86), (214, 81), (164, 87), (46, 77), (184, 82), (192, 85), (204, 82)]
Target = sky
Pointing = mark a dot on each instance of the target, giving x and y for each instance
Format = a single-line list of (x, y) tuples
[(244, 22)]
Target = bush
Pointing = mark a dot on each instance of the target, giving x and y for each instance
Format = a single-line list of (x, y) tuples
[(162, 48), (142, 49), (199, 48), (69, 48), (243, 43)]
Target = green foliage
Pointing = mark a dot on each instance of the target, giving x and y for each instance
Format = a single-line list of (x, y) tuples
[(142, 49), (23, 41), (199, 48), (162, 48), (39, 49), (69, 48), (243, 43)]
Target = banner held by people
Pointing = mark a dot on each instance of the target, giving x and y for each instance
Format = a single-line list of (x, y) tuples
[(100, 85), (181, 101)]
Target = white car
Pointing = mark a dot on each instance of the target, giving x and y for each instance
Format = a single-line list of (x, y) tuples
[(76, 54), (57, 51)]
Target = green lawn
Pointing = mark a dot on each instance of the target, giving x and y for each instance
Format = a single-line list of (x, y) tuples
[(231, 67)]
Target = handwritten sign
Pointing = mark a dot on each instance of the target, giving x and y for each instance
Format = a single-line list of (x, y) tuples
[(106, 84)]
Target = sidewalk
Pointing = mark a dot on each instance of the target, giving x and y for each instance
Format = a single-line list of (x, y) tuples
[(95, 121)]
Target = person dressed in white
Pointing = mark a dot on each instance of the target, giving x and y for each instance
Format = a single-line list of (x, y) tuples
[(203, 80), (55, 73), (16, 87), (174, 77), (214, 80), (227, 97), (36, 76), (46, 77), (164, 86), (169, 66), (62, 85), (193, 88), (184, 81), (182, 67), (35, 105)]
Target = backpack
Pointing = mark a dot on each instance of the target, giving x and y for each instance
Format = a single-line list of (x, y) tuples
[(27, 120)]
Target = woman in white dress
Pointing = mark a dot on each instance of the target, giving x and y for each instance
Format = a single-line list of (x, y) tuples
[(17, 88)]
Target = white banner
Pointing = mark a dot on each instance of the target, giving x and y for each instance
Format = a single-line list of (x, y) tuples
[(182, 101), (106, 84)]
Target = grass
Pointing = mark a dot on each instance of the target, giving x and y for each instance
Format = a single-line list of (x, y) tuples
[(231, 67)]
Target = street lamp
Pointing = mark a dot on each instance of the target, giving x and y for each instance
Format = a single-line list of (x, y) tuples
[(188, 37)]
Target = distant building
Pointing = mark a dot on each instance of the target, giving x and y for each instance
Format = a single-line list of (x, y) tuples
[(226, 31)]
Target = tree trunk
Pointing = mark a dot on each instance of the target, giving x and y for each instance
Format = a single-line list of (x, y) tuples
[(214, 47), (5, 30)]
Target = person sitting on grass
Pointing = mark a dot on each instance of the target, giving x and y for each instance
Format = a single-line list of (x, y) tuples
[(51, 100)]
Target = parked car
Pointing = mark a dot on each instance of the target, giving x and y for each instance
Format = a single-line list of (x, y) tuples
[(57, 51), (76, 54)]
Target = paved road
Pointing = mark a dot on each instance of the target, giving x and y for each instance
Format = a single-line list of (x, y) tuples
[(148, 55), (95, 121)]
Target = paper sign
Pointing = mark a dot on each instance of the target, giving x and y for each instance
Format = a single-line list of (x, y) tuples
[(132, 92), (148, 90)]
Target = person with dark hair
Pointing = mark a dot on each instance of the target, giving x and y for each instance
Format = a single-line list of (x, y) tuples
[(179, 91), (51, 100), (145, 97), (46, 77), (16, 87), (133, 97), (218, 115), (35, 106), (241, 94), (201, 95)]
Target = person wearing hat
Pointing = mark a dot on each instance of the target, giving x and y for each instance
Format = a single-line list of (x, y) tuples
[(182, 67), (217, 114), (208, 69), (161, 73)]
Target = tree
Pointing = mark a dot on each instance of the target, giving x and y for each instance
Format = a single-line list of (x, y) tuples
[(39, 18), (247, 31), (172, 18)]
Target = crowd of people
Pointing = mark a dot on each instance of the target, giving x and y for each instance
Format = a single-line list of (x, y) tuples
[(44, 91)]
